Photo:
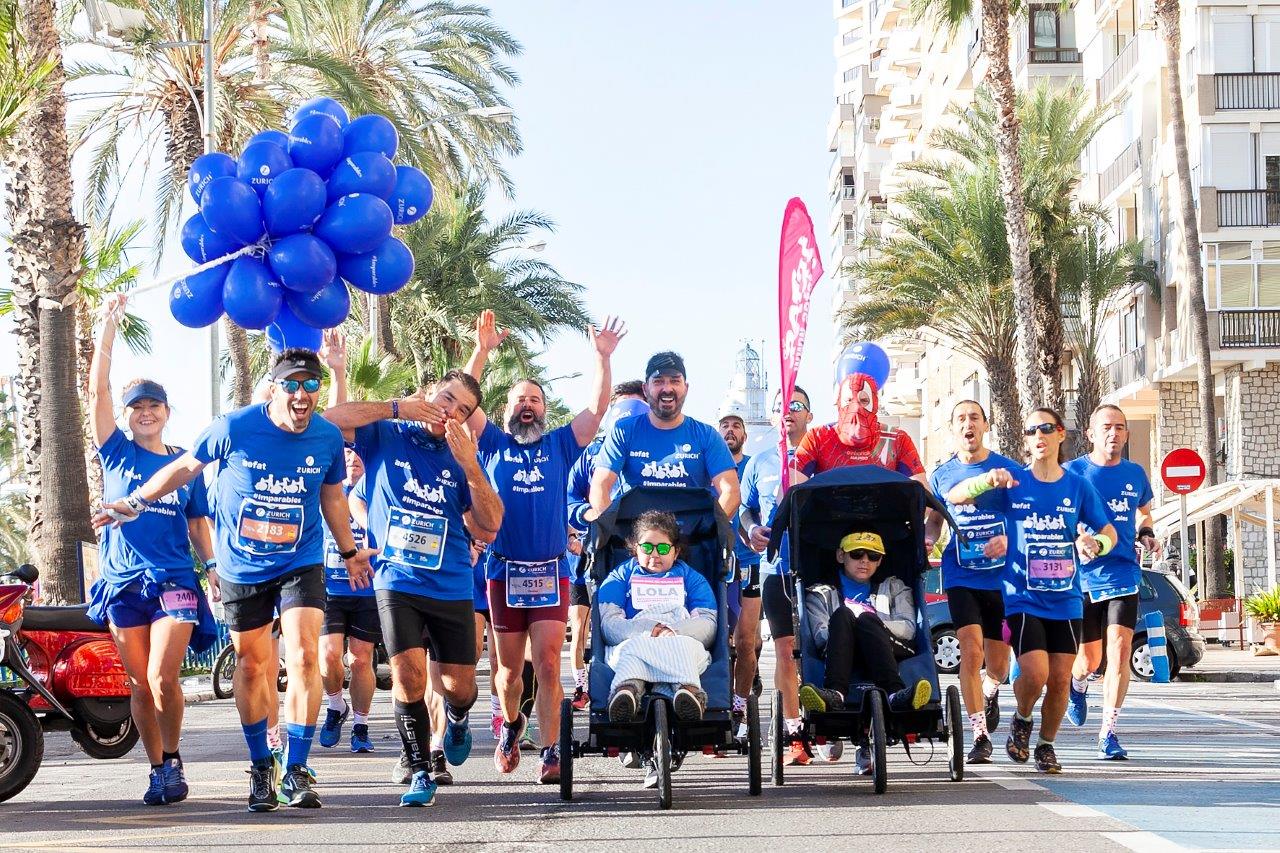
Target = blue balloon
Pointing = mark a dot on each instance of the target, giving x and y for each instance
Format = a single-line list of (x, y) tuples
[(201, 244), (231, 209), (261, 163), (363, 172), (411, 199), (324, 107), (864, 357), (315, 143), (355, 224), (302, 262), (325, 308), (293, 202), (279, 137), (371, 133), (206, 168), (384, 270), (288, 331), (250, 296), (196, 301)]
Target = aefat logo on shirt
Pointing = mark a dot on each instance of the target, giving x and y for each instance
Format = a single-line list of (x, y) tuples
[(664, 471), (424, 492), (1119, 507), (281, 486), (254, 464)]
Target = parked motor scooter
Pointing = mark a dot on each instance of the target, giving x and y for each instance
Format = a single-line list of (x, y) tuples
[(74, 680)]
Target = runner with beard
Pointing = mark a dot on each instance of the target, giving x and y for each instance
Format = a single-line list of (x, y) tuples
[(527, 566)]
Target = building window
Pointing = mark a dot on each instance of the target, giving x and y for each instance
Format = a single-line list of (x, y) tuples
[(1129, 329), (1238, 278), (1045, 31)]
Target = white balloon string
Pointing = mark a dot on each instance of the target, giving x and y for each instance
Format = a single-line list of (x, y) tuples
[(207, 265)]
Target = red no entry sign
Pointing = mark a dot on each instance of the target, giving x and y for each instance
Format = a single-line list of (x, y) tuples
[(1182, 471)]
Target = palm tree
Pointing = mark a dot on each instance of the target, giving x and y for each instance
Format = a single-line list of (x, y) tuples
[(995, 47), (944, 272), (24, 78), (45, 252), (1168, 15)]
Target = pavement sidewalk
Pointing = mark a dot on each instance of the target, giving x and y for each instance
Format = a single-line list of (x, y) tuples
[(1233, 666), (197, 688)]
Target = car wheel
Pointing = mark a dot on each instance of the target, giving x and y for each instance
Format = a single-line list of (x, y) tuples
[(1140, 660), (946, 651)]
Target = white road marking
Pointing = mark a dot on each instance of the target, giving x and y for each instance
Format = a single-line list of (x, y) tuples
[(1222, 718), (1143, 842), (1071, 810)]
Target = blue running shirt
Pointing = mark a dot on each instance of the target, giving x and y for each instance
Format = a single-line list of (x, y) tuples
[(963, 564), (418, 496), (1123, 488), (267, 492), (762, 492), (745, 553), (337, 581), (688, 456), (157, 544), (682, 582)]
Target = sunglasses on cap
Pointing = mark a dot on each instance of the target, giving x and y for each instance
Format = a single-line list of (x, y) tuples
[(1043, 429), (291, 386), (864, 554), (663, 548), (793, 406)]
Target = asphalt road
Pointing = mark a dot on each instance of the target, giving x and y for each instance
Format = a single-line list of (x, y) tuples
[(1204, 774)]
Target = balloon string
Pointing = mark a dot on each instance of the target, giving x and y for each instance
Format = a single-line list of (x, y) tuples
[(207, 265)]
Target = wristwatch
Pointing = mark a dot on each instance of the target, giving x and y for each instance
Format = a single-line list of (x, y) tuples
[(347, 555)]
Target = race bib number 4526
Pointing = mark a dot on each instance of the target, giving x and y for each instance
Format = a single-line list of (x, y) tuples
[(415, 539)]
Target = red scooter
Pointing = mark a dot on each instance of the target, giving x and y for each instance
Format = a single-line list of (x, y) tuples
[(74, 680)]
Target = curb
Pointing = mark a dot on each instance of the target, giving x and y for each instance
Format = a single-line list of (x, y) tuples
[(1229, 677), (197, 697)]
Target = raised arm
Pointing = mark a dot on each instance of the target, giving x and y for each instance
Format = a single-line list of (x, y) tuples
[(485, 516), (104, 418), (333, 352), (969, 490), (604, 342), (488, 338), (349, 417)]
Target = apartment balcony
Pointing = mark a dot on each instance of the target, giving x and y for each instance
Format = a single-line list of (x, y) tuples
[(1245, 208), (1128, 368), (1118, 71), (1248, 91), (1120, 170), (1248, 328)]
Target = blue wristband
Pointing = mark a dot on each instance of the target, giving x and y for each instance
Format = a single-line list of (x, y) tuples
[(395, 410)]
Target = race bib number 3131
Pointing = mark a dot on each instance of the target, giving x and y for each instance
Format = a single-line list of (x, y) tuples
[(1051, 567)]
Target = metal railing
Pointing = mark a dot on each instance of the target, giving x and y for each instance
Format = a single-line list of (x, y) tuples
[(1128, 368), (851, 74), (848, 191), (873, 7), (1247, 91), (879, 213), (1118, 70), (1250, 327), (851, 236), (1121, 167), (1246, 208), (1053, 54)]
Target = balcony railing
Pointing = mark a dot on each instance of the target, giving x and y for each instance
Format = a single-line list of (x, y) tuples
[(1128, 368), (1251, 327), (873, 7), (1121, 167), (848, 191), (1053, 54), (851, 236), (1248, 91), (1248, 208), (879, 213), (1118, 70)]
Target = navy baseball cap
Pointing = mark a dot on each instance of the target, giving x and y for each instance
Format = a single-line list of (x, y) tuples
[(297, 361), (669, 363), (146, 390)]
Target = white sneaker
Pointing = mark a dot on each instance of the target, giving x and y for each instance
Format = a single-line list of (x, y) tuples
[(830, 752), (862, 760)]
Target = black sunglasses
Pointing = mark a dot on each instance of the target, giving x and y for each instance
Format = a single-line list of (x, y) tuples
[(1043, 429), (863, 554), (663, 548), (291, 386), (793, 406)]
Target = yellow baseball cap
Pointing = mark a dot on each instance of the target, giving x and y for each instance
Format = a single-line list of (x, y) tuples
[(865, 540)]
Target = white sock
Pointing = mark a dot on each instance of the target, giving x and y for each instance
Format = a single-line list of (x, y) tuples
[(978, 722), (273, 737), (580, 678), (793, 725), (990, 687), (495, 707), (437, 743), (739, 703), (358, 719), (1109, 718), (336, 702), (1081, 685)]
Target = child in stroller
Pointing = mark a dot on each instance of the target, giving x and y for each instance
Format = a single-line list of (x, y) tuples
[(658, 617)]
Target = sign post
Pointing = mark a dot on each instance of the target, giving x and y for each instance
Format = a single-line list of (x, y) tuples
[(1183, 472)]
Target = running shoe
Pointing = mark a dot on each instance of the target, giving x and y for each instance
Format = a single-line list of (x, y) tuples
[(262, 786), (798, 752), (549, 770), (862, 763), (155, 788), (911, 698), (331, 731), (992, 710), (1077, 706), (495, 724), (527, 743), (820, 699), (650, 774), (506, 755), (757, 687), (457, 740), (624, 703), (402, 772), (1047, 759), (175, 781), (1109, 748), (630, 760), (981, 751), (831, 751), (422, 791), (296, 790), (580, 698), (1018, 746), (688, 703), (360, 741), (440, 769)]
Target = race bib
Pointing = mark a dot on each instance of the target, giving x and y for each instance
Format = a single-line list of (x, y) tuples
[(650, 592), (1108, 593), (180, 603), (970, 551), (1050, 567), (415, 539), (335, 568), (533, 584), (266, 529)]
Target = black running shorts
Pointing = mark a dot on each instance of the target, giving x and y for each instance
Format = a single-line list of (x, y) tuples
[(983, 607), (1099, 615), (446, 629), (1033, 634)]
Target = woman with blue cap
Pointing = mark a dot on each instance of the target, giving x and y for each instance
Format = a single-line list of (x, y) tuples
[(148, 592)]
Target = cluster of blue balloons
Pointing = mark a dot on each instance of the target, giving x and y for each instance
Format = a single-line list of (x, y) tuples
[(318, 205), (864, 357)]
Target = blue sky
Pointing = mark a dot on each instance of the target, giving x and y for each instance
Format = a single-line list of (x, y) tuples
[(664, 139)]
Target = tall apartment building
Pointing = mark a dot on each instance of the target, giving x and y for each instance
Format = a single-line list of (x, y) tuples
[(894, 83)]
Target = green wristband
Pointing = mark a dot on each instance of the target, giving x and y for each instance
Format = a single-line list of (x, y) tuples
[(1104, 544), (978, 487)]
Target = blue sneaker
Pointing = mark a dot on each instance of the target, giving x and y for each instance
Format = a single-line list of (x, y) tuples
[(457, 740), (360, 738), (422, 791), (155, 789), (1109, 748), (1077, 706), (296, 789), (331, 731), (175, 781)]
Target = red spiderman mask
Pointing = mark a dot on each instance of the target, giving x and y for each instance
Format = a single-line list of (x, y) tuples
[(857, 426)]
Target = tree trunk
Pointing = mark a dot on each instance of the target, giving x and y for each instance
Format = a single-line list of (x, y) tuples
[(384, 342), (1051, 338), (1089, 390), (1005, 412), (261, 44), (45, 250), (241, 379), (995, 44), (84, 358), (1168, 15)]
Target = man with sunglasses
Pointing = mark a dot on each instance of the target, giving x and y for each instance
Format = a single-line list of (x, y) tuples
[(428, 496), (280, 471), (972, 573), (761, 494)]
